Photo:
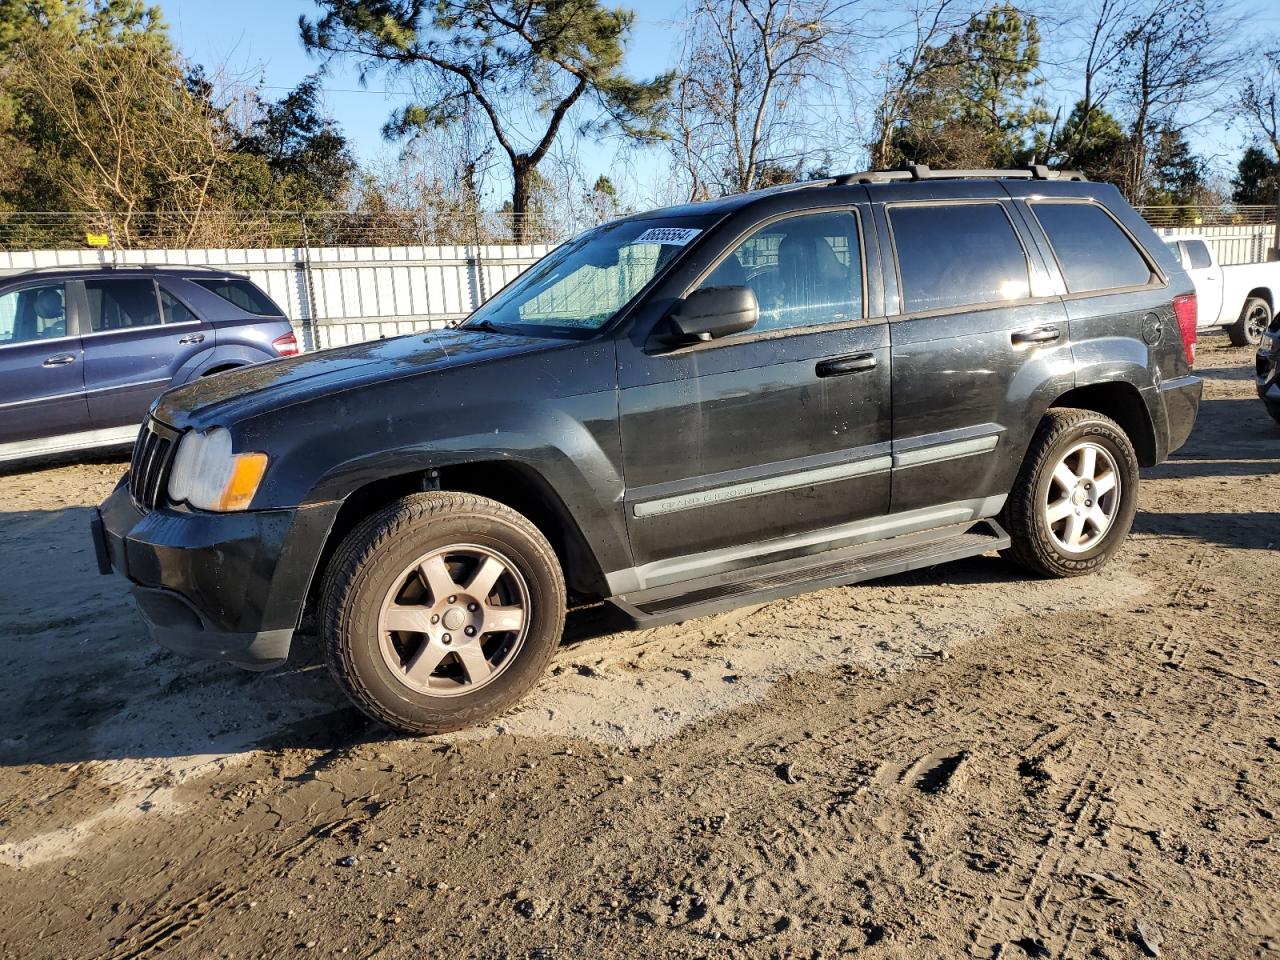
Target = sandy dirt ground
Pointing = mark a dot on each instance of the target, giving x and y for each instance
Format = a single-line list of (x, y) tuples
[(961, 762)]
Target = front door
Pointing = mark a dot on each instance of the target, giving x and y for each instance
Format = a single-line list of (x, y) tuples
[(766, 442), (140, 337), (41, 366)]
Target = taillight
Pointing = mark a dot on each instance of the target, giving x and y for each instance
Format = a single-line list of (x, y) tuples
[(287, 345), (1184, 311)]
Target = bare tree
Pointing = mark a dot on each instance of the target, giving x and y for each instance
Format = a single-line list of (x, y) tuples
[(1178, 59), (146, 143), (932, 22), (747, 105), (1107, 30), (1260, 104)]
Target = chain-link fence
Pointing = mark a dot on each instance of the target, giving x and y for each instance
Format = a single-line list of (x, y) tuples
[(271, 228), (428, 227)]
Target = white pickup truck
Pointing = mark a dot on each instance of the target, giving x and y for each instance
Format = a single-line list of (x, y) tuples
[(1241, 298)]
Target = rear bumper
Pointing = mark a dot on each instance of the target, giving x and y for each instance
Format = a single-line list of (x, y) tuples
[(215, 586), (1180, 399)]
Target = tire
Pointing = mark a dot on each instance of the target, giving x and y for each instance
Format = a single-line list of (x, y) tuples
[(375, 581), (1254, 319), (1043, 545)]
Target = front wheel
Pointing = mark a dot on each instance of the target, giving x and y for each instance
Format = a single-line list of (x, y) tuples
[(1074, 500), (441, 611), (1254, 320)]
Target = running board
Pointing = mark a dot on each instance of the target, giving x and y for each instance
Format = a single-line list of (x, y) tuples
[(685, 601)]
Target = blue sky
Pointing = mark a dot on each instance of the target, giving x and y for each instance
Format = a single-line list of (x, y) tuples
[(258, 40)]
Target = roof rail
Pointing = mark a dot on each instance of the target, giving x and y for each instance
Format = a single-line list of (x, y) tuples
[(87, 267), (920, 171)]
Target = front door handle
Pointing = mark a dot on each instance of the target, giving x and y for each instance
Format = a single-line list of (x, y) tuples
[(844, 365), (192, 338), (1035, 335), (61, 360)]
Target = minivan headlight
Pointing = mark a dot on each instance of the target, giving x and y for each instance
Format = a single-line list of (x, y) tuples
[(208, 476)]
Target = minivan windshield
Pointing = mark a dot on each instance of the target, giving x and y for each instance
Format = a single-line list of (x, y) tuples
[(581, 285)]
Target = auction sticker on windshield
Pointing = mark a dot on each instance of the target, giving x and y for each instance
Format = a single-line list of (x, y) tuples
[(671, 236)]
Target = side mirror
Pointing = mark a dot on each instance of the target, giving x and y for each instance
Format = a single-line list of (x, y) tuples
[(713, 312)]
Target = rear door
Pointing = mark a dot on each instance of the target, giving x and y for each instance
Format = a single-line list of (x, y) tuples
[(139, 336), (41, 365), (980, 336)]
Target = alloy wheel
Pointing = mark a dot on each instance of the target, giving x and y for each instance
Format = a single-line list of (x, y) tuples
[(1255, 323), (454, 620), (1082, 499)]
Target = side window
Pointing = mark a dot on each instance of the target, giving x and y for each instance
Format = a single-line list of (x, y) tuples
[(121, 304), (1092, 250), (804, 270), (957, 254), (1198, 254), (174, 310), (241, 293), (33, 313)]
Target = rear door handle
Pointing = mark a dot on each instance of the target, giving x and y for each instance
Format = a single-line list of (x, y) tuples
[(192, 338), (61, 360), (1035, 335), (845, 365)]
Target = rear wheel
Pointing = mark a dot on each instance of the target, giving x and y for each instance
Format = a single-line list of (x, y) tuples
[(441, 611), (1074, 500), (1254, 320)]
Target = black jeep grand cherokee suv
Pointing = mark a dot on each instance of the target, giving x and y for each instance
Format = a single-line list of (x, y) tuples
[(677, 413)]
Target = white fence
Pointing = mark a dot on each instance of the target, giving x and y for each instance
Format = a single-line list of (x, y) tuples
[(1231, 243), (337, 295)]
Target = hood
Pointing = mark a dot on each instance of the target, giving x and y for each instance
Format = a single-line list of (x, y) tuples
[(244, 392)]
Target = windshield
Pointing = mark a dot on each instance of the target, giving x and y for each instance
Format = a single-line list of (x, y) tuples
[(581, 285)]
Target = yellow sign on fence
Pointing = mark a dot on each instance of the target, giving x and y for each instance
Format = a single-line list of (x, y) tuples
[(97, 239)]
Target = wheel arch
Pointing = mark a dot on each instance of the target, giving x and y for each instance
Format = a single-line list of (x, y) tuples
[(1123, 403), (219, 368), (1260, 293), (511, 483)]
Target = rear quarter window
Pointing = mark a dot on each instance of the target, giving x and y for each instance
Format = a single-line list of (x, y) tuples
[(1092, 251), (957, 254), (241, 293)]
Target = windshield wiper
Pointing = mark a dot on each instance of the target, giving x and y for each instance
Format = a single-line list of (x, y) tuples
[(484, 325)]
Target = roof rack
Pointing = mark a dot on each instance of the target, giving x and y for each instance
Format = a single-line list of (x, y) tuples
[(920, 171)]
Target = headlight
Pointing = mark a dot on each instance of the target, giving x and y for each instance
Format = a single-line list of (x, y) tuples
[(208, 476)]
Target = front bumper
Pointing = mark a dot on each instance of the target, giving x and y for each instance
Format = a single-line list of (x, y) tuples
[(1268, 371), (227, 586)]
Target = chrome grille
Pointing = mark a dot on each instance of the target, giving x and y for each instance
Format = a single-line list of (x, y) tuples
[(149, 469)]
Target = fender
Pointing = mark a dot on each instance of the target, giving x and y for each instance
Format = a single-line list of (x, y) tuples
[(217, 356), (588, 485), (324, 450), (1126, 360)]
